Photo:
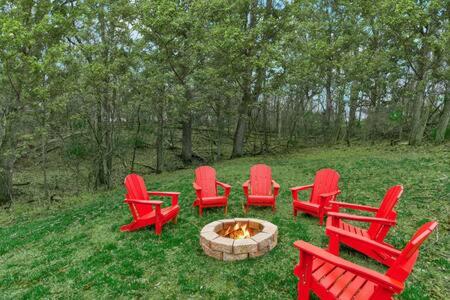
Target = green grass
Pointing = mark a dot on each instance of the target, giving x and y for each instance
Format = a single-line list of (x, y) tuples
[(74, 249)]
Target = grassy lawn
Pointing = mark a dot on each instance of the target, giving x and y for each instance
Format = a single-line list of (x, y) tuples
[(74, 249)]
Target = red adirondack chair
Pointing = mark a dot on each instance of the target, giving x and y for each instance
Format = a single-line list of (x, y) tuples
[(147, 212), (205, 186), (331, 277), (365, 241), (263, 189), (324, 189)]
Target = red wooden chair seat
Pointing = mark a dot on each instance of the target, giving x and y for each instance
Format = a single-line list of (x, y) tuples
[(331, 277), (218, 200), (341, 283), (205, 186), (255, 199), (324, 189), (260, 189), (351, 229), (361, 239), (146, 212), (166, 213), (306, 206)]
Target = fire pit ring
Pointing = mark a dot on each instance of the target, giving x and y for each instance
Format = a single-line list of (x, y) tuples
[(238, 238)]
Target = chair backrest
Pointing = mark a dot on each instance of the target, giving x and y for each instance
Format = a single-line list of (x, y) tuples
[(261, 180), (326, 181), (206, 178), (404, 264), (136, 190), (379, 231)]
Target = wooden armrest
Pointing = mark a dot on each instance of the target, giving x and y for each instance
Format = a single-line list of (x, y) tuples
[(147, 202), (275, 184), (276, 188), (361, 218), (245, 186), (173, 195), (302, 188), (369, 274), (334, 193), (164, 194), (354, 206), (224, 185), (198, 190), (325, 198), (296, 189)]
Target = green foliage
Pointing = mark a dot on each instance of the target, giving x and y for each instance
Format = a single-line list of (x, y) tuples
[(283, 68), (139, 142), (77, 150)]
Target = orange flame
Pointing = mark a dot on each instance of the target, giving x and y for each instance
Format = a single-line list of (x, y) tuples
[(237, 231), (245, 233)]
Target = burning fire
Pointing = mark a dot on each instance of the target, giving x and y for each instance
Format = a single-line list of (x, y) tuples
[(237, 231)]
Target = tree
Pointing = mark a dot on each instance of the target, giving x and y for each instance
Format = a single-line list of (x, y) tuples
[(29, 58), (89, 84), (172, 31), (101, 39)]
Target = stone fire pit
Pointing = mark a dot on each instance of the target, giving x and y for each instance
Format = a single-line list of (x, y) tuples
[(238, 238)]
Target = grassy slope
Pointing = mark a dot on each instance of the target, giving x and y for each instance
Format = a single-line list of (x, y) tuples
[(75, 249)]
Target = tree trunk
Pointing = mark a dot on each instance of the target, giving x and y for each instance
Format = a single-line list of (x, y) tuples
[(136, 136), (8, 144), (6, 173), (444, 120), (109, 139), (104, 131), (98, 163), (44, 163), (352, 112), (373, 113), (160, 141), (248, 98), (244, 106), (239, 134), (416, 134), (424, 121), (278, 112), (186, 139), (220, 129), (329, 106), (340, 115), (292, 125), (266, 128)]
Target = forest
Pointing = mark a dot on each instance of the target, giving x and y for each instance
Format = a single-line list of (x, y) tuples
[(92, 90)]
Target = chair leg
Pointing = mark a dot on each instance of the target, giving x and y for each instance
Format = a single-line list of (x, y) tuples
[(128, 227), (200, 211), (333, 244), (175, 220), (226, 209), (133, 226), (302, 292), (273, 208), (158, 228), (321, 216), (304, 282)]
